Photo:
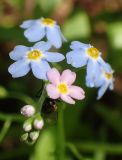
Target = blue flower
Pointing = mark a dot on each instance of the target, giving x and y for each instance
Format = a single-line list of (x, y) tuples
[(37, 29), (35, 58), (85, 54), (104, 80)]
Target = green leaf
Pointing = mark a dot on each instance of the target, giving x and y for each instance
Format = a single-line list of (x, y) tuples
[(45, 147), (47, 5), (114, 31), (78, 26), (114, 119)]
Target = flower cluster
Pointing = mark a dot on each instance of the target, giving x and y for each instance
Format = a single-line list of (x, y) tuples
[(32, 125), (98, 73), (37, 58)]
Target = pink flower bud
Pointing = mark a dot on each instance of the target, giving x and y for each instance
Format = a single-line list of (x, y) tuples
[(38, 123), (28, 110)]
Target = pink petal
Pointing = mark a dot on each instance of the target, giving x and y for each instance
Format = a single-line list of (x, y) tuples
[(67, 99), (76, 92), (53, 76), (52, 91), (68, 76)]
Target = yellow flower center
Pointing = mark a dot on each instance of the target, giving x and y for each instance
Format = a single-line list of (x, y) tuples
[(108, 75), (48, 21), (35, 55), (93, 52), (62, 88)]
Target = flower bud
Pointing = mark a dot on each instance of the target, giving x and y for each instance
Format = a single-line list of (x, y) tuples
[(28, 110), (27, 126), (38, 123), (24, 137), (34, 135)]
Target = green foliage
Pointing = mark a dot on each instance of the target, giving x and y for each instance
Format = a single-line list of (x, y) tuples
[(114, 31), (77, 26), (45, 147)]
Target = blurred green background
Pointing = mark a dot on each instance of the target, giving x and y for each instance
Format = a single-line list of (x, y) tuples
[(93, 129)]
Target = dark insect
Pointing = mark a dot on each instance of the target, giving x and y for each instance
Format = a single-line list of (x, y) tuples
[(49, 106)]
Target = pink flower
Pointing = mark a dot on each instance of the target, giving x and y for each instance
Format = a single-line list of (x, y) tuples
[(61, 86)]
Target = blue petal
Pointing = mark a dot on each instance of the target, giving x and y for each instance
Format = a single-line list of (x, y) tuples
[(27, 24), (76, 58), (93, 77), (54, 56), (102, 90), (62, 36), (35, 33), (53, 35), (18, 52), (107, 68), (19, 68), (111, 85), (40, 68), (79, 45), (42, 46)]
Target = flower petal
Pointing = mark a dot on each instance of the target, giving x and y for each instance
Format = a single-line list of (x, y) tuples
[(42, 46), (77, 92), (40, 68), (27, 24), (68, 76), (18, 52), (67, 99), (79, 45), (54, 56), (77, 58), (19, 68), (53, 76), (53, 35), (35, 33), (111, 85), (93, 77), (62, 36), (102, 90), (52, 91)]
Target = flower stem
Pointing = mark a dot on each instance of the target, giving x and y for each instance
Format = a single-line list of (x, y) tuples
[(42, 98), (61, 136), (12, 117), (74, 150), (5, 129)]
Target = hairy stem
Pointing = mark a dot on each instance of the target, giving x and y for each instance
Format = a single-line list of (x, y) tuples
[(42, 98), (61, 135)]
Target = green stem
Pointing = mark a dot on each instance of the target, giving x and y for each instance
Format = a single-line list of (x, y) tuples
[(103, 147), (21, 97), (11, 117), (42, 98), (61, 136), (74, 150), (5, 129), (99, 155)]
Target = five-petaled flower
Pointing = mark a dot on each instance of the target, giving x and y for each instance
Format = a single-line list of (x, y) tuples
[(35, 58), (61, 86), (85, 54), (37, 29), (104, 80)]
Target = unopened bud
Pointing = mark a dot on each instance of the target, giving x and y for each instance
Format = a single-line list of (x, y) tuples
[(28, 110), (27, 126), (34, 135), (38, 123), (24, 137)]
